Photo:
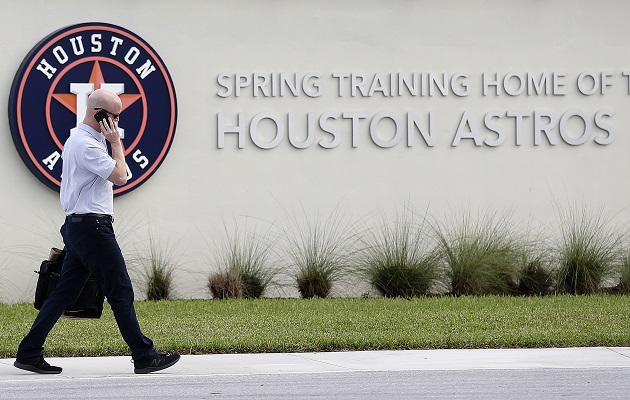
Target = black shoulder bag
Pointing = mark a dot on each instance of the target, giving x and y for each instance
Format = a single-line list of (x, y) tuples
[(90, 301)]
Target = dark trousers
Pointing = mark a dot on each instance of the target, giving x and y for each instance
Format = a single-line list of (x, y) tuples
[(91, 248)]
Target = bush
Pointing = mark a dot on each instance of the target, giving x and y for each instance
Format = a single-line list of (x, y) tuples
[(320, 252), (159, 283), (397, 261), (314, 281), (253, 283), (249, 259), (589, 251), (4, 284), (624, 280), (155, 270), (225, 285), (483, 256), (535, 279)]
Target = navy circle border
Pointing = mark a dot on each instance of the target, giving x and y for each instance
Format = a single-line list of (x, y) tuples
[(20, 77)]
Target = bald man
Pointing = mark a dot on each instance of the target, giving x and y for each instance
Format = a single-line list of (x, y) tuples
[(88, 176)]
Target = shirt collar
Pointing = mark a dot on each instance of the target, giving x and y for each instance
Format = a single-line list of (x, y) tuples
[(95, 134)]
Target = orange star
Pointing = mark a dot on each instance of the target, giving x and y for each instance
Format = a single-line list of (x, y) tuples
[(69, 100)]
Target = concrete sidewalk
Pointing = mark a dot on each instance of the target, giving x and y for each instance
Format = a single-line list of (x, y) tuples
[(287, 363)]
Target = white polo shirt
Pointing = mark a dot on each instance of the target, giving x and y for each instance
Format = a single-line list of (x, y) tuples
[(86, 166)]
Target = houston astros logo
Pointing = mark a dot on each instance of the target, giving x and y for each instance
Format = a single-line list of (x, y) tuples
[(49, 94)]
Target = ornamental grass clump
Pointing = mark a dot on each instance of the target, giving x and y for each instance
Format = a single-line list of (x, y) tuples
[(483, 256), (624, 275), (4, 284), (159, 283), (225, 285), (589, 251), (152, 267), (536, 279), (397, 258), (155, 269), (249, 258), (157, 272), (320, 252)]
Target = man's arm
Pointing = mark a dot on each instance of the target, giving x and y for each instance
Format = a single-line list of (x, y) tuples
[(119, 174)]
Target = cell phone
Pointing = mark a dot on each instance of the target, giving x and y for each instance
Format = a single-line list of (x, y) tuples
[(101, 116)]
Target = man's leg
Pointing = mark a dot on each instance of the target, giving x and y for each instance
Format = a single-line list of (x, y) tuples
[(71, 281), (94, 242)]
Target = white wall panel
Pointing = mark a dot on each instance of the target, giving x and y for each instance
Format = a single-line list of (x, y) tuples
[(199, 186)]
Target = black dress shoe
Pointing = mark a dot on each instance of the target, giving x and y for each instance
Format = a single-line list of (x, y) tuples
[(160, 362), (36, 364)]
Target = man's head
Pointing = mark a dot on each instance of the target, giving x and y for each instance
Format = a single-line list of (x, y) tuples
[(102, 99)]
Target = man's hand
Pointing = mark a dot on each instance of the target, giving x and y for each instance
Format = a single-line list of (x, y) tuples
[(110, 130)]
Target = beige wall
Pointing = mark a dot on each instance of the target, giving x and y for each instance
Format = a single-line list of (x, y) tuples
[(200, 186)]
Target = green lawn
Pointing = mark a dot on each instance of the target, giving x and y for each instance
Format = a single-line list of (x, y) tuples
[(296, 325)]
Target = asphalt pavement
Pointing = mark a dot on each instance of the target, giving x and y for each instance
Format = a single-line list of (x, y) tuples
[(575, 373)]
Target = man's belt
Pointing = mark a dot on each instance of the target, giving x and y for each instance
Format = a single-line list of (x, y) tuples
[(106, 217)]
